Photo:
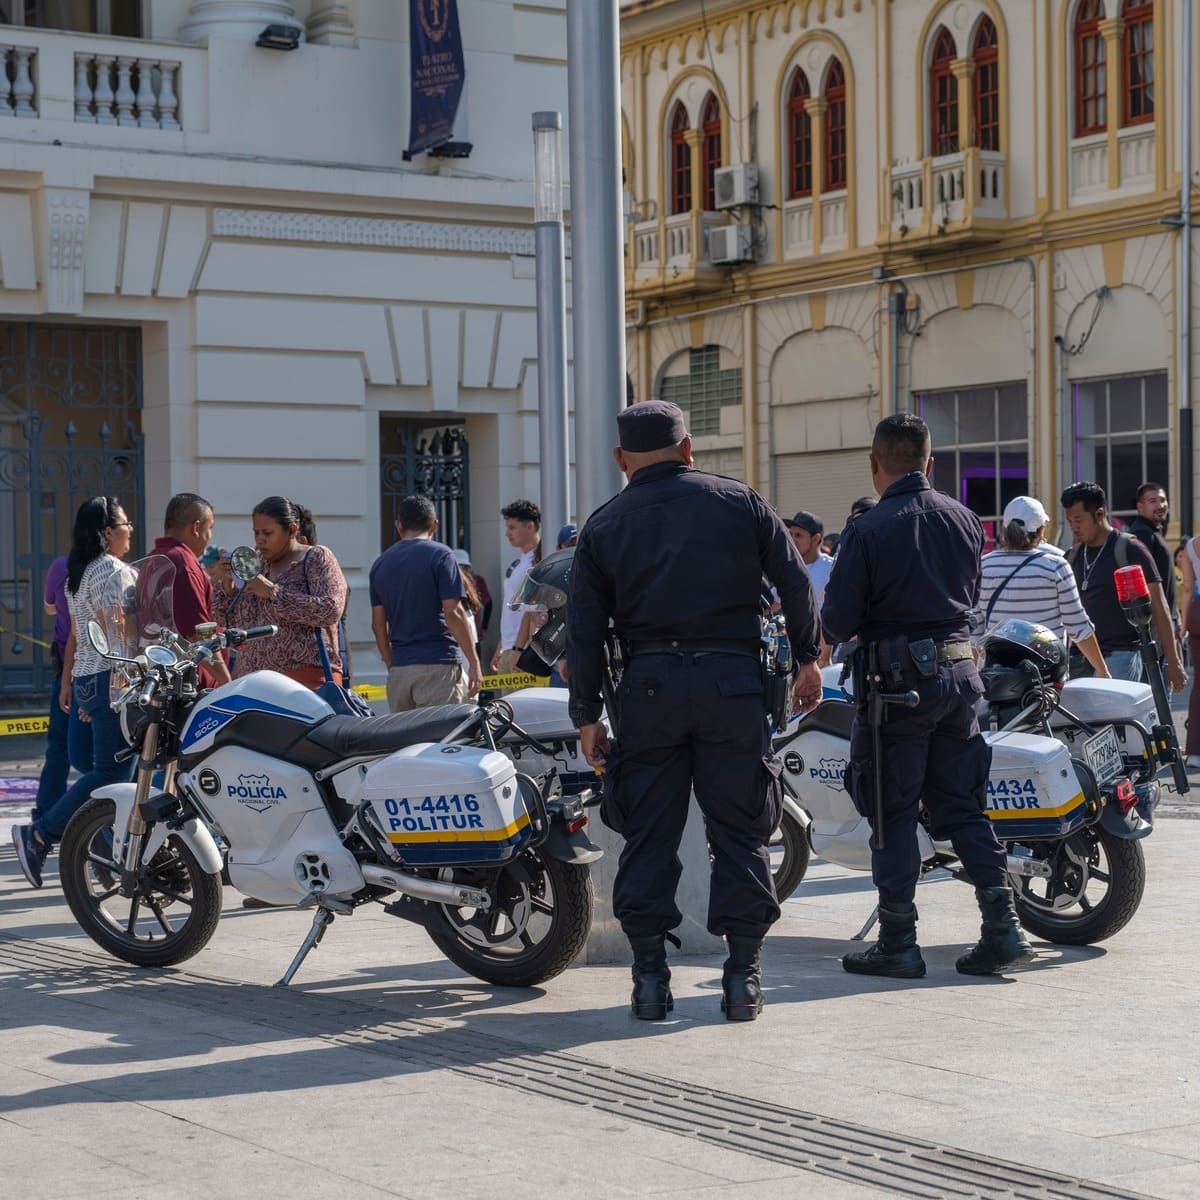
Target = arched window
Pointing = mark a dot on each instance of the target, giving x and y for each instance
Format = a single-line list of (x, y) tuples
[(1139, 61), (800, 147), (711, 127), (835, 128), (986, 53), (681, 162), (1091, 70), (943, 96)]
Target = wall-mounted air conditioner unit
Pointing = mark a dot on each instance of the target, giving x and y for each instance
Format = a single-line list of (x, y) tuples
[(736, 185), (728, 244)]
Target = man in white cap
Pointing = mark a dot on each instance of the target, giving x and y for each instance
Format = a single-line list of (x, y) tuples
[(1027, 579)]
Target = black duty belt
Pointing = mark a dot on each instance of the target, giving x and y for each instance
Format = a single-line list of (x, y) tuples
[(682, 646)]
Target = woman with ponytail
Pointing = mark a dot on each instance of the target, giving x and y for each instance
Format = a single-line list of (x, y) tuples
[(101, 538), (301, 589)]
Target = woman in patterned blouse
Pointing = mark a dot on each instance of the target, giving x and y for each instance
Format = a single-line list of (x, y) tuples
[(301, 589)]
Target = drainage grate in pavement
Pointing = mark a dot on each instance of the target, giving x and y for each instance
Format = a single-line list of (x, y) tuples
[(899, 1165)]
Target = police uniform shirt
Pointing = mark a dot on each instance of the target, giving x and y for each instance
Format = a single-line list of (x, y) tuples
[(907, 567), (679, 555)]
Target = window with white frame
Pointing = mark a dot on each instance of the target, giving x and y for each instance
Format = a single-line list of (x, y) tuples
[(1122, 426), (980, 446)]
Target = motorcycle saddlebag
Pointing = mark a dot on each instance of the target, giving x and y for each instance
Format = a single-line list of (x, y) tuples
[(448, 805), (1033, 792)]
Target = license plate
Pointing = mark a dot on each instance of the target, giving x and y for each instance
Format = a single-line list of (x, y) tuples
[(1102, 752)]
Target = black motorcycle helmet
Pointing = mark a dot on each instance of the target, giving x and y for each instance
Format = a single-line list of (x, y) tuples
[(545, 589), (1019, 656)]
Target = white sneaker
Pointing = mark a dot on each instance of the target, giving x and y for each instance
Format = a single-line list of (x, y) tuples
[(1193, 762)]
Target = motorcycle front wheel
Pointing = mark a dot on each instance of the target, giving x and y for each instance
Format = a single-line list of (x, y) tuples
[(167, 914), (1095, 886), (790, 853), (537, 926)]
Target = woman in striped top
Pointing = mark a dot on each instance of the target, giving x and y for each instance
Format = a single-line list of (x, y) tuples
[(1027, 581)]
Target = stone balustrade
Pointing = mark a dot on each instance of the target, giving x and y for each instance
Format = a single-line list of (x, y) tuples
[(18, 92), (121, 89)]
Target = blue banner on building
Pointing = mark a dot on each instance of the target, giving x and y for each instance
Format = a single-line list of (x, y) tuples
[(438, 72)]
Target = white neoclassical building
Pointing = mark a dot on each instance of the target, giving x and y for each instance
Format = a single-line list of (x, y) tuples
[(966, 207), (218, 274)]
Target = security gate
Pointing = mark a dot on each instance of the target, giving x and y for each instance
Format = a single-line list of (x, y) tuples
[(419, 459), (70, 401)]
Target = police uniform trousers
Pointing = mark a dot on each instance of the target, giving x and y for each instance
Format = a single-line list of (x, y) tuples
[(693, 720), (932, 754)]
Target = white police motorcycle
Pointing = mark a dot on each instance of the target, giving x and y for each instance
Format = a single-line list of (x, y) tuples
[(421, 812), (1072, 788)]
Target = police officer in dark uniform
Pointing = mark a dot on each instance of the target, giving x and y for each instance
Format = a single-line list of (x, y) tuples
[(906, 583), (675, 562)]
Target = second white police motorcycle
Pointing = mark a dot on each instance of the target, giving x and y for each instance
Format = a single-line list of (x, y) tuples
[(1072, 789)]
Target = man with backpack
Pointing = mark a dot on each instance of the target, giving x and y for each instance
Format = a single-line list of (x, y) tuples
[(1099, 551)]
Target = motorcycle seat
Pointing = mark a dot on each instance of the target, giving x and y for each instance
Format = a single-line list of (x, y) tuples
[(831, 716), (344, 737)]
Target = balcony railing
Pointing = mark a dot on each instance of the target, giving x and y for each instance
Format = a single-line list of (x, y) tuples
[(798, 227), (123, 90), (834, 218), (64, 78), (672, 245), (18, 93), (1136, 146), (953, 194)]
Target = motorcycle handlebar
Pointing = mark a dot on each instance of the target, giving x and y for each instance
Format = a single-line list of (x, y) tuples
[(262, 631), (148, 690)]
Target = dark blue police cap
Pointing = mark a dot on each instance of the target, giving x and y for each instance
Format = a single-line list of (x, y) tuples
[(651, 425)]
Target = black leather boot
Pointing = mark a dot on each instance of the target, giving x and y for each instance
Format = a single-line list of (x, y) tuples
[(741, 984), (1001, 943), (896, 953), (652, 999)]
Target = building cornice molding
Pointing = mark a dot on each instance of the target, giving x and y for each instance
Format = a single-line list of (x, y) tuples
[(327, 229)]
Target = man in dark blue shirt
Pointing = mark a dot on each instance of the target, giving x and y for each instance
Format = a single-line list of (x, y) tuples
[(906, 583), (417, 615), (675, 562)]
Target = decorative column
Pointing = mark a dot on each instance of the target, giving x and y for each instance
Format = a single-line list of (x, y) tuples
[(330, 24), (816, 110), (695, 141), (1113, 33), (964, 72), (242, 19)]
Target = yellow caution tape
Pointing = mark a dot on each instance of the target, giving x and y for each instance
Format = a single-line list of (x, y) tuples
[(24, 725), (518, 679), (26, 638), (492, 683)]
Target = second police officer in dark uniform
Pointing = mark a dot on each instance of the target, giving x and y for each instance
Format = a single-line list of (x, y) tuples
[(907, 582), (675, 560)]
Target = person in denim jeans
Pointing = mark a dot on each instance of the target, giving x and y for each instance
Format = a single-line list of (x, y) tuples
[(57, 765), (101, 539)]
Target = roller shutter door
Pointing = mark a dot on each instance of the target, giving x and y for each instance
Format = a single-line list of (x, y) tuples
[(824, 482)]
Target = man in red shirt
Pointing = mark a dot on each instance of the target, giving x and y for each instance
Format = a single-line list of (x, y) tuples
[(187, 530)]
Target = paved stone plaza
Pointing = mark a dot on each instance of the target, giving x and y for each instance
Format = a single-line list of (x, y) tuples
[(385, 1072)]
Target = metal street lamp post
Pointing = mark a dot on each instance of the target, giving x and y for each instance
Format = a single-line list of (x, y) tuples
[(551, 318), (598, 275)]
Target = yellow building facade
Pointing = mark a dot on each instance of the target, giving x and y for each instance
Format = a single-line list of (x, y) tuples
[(968, 208)]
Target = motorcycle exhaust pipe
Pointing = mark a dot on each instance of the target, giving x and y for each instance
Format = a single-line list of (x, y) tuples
[(456, 894), (1025, 867)]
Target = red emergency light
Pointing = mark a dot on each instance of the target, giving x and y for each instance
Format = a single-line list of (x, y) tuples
[(1131, 585)]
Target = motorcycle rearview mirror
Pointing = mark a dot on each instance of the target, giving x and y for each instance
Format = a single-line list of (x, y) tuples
[(246, 563), (98, 637)]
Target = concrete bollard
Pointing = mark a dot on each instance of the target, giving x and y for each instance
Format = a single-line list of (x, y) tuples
[(606, 943)]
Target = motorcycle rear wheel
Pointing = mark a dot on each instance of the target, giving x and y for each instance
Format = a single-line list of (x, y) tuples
[(169, 914), (1096, 887), (540, 922)]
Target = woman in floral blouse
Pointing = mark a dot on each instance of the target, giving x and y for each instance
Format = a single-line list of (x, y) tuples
[(301, 589)]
